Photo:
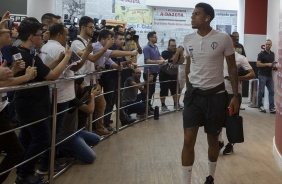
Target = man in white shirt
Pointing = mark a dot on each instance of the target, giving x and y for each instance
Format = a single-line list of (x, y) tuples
[(246, 74), (104, 36), (50, 54), (205, 99), (87, 28)]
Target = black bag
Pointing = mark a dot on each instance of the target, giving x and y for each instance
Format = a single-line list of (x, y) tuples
[(234, 129), (169, 69)]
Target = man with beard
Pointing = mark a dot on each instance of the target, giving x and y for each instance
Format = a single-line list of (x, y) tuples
[(87, 28), (168, 73)]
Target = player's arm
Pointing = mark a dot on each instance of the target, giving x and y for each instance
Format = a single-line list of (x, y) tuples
[(187, 70)]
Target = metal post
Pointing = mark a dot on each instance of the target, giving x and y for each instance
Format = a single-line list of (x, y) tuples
[(147, 94), (177, 90), (118, 102), (90, 117), (53, 141)]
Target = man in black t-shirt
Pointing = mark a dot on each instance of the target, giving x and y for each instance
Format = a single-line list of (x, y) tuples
[(239, 48), (34, 104), (266, 64), (169, 73)]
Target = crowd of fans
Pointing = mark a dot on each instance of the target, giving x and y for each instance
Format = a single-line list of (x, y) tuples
[(44, 52)]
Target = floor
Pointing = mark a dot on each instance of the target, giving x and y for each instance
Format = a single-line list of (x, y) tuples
[(149, 153)]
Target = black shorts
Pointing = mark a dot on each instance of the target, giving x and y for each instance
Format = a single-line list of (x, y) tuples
[(167, 82), (208, 111)]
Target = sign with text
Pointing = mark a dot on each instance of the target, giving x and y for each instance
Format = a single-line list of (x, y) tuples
[(17, 17)]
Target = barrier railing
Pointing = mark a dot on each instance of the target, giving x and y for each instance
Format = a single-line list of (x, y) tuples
[(52, 84)]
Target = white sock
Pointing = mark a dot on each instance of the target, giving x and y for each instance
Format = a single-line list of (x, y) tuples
[(212, 167), (186, 174), (220, 137)]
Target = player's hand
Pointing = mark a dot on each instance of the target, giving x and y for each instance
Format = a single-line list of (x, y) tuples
[(234, 105)]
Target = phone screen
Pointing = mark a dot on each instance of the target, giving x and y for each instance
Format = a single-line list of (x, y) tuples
[(10, 24)]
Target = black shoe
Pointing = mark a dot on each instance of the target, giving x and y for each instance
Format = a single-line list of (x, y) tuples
[(221, 144), (110, 128), (209, 180), (228, 150), (32, 179), (151, 108), (128, 121)]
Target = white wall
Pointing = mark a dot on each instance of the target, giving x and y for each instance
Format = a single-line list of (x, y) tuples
[(216, 4), (273, 24), (241, 20), (36, 8)]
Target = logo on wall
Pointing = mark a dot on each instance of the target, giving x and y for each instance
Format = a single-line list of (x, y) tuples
[(17, 17)]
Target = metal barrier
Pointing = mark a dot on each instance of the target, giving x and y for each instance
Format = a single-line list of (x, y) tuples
[(253, 93), (52, 84)]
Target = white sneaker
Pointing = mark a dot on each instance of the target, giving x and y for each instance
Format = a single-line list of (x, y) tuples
[(272, 110), (261, 109), (165, 109)]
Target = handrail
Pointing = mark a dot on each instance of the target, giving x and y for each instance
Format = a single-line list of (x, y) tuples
[(45, 83), (55, 113)]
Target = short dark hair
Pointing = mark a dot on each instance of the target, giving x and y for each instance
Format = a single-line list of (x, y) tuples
[(234, 32), (232, 37), (118, 33), (171, 40), (33, 19), (27, 28), (117, 28), (84, 21), (104, 34), (151, 34), (47, 18), (55, 29), (208, 9)]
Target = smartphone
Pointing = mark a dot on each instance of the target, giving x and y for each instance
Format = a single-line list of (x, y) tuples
[(10, 24)]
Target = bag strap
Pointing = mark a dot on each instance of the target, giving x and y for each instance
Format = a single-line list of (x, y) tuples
[(77, 38)]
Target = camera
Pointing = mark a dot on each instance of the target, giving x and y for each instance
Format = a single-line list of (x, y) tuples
[(73, 30), (99, 23), (132, 33)]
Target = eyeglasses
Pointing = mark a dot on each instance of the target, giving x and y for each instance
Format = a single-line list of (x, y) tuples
[(91, 27), (41, 35)]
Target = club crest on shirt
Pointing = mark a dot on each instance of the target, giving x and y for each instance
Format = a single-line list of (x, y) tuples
[(214, 45)]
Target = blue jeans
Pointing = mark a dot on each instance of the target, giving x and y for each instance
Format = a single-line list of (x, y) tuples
[(59, 128), (268, 82), (35, 139), (79, 146), (10, 143)]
